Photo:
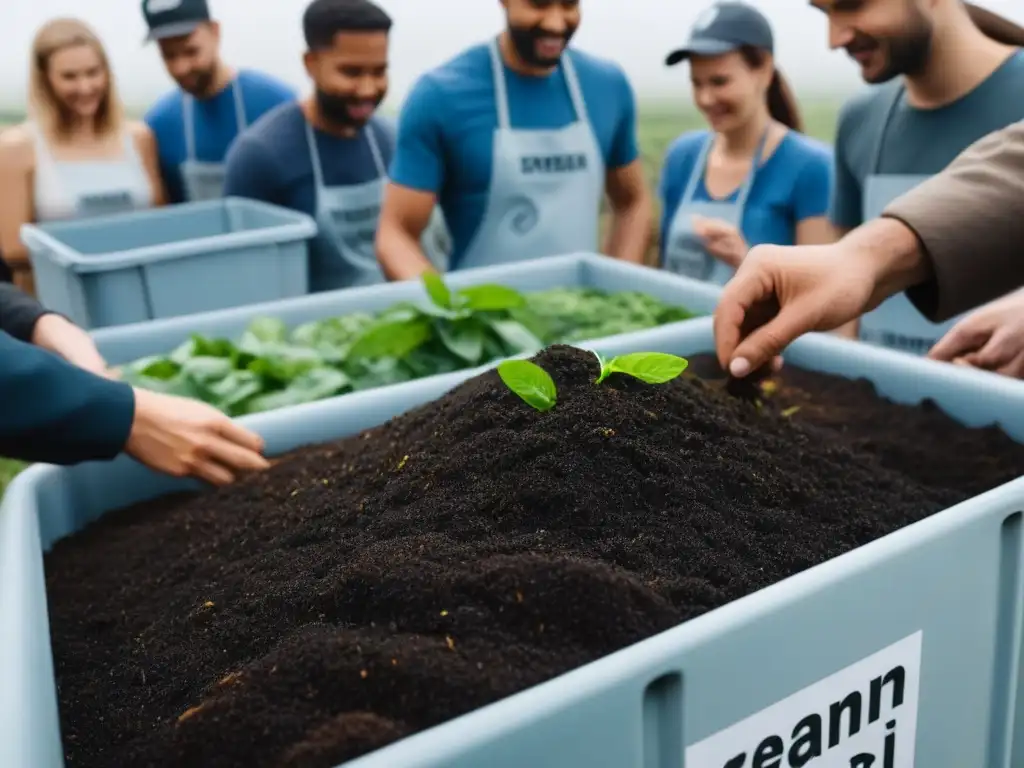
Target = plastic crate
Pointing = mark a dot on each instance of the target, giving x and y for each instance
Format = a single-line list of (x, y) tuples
[(164, 262), (933, 610), (127, 343)]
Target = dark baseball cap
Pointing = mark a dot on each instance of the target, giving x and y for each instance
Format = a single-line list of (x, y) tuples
[(723, 28), (173, 18)]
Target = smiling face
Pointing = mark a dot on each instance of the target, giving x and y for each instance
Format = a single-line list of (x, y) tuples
[(192, 59), (351, 77), (887, 38), (727, 90), (78, 78), (541, 29)]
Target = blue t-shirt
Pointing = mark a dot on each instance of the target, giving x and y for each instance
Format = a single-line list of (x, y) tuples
[(917, 142), (791, 186), (447, 124), (271, 161), (215, 123)]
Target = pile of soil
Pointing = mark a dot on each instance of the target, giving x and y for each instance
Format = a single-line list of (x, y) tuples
[(361, 591)]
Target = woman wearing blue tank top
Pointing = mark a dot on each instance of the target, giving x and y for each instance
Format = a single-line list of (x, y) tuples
[(76, 155), (753, 178)]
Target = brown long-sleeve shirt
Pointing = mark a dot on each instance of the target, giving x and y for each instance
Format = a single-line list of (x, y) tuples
[(970, 221)]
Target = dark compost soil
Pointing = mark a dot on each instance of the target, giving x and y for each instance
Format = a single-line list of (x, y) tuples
[(362, 591)]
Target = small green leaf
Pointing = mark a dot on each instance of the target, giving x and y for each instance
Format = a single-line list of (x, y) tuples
[(515, 336), (207, 369), (650, 367), (392, 339), (437, 290), (268, 329), (490, 298), (155, 367), (463, 338), (531, 382), (310, 386)]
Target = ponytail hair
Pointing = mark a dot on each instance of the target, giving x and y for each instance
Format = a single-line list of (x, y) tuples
[(782, 104), (995, 27)]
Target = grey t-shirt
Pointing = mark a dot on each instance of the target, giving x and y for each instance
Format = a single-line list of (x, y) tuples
[(920, 142)]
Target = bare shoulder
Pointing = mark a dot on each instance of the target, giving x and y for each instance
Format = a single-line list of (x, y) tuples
[(141, 133), (17, 150)]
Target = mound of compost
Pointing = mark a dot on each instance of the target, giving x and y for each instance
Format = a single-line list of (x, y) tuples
[(362, 591)]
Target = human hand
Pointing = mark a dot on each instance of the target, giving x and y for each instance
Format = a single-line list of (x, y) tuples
[(64, 338), (817, 288), (182, 437), (990, 338), (721, 239)]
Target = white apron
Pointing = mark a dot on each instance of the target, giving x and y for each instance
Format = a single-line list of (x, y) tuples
[(342, 255), (67, 189), (895, 323), (546, 185), (205, 180), (685, 253)]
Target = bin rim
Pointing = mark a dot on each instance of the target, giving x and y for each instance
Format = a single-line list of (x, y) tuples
[(44, 237)]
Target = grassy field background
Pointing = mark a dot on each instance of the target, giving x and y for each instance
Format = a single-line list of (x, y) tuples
[(659, 125)]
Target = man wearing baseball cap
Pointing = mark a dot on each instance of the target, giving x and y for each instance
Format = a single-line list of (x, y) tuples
[(196, 124), (948, 74)]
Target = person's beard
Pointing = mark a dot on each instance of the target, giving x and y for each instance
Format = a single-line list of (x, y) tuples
[(337, 110), (907, 54), (524, 40), (199, 82)]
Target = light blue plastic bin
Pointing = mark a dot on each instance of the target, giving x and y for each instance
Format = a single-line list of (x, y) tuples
[(127, 343), (164, 262), (935, 608)]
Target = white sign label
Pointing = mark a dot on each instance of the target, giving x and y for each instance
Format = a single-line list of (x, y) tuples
[(864, 716)]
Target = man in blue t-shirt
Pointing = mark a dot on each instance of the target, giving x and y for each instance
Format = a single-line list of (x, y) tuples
[(195, 125), (518, 140), (328, 154)]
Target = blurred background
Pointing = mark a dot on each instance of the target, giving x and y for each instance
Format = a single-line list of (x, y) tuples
[(637, 34)]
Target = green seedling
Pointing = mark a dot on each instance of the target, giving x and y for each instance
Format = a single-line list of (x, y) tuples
[(531, 382), (649, 367)]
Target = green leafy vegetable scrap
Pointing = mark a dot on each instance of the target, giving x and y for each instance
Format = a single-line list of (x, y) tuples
[(270, 366)]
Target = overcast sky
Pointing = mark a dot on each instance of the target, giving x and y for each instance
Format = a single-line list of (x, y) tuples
[(267, 34)]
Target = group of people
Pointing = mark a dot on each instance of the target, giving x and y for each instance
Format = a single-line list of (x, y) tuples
[(510, 150)]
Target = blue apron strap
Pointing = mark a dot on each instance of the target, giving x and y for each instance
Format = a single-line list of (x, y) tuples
[(890, 110), (748, 183), (378, 159), (698, 171), (314, 156), (236, 91), (188, 118), (575, 92), (500, 89)]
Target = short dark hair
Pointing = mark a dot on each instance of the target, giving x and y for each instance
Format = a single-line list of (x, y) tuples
[(324, 19)]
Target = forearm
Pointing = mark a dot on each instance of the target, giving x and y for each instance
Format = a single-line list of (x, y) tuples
[(19, 312), (829, 233), (970, 223), (897, 259), (57, 413), (400, 254), (629, 236)]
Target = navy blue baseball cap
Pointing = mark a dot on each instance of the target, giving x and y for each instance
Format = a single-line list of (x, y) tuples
[(173, 18), (723, 28)]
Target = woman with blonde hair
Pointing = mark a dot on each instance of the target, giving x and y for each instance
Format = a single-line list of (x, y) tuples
[(76, 155)]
